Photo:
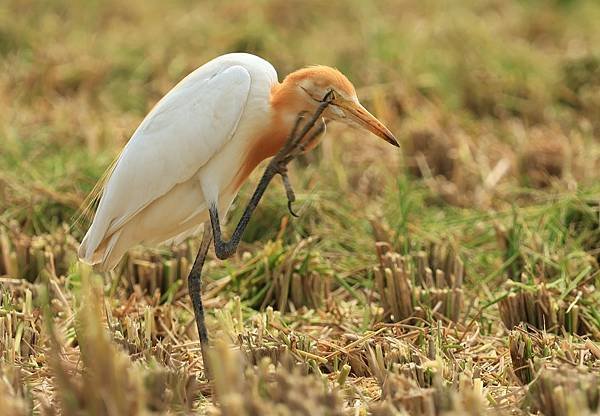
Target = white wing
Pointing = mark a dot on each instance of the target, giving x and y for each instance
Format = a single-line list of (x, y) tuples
[(185, 129)]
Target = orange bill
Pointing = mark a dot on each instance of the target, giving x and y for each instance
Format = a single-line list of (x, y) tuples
[(360, 115)]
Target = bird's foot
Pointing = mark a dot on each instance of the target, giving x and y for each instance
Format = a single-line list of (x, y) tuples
[(289, 192), (304, 134), (281, 169)]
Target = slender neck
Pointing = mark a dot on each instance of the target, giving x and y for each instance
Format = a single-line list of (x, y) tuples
[(268, 142), (285, 103)]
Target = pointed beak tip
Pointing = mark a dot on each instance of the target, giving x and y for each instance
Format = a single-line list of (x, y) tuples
[(369, 122), (391, 139), (386, 135)]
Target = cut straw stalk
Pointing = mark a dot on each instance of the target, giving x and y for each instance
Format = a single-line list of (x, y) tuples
[(19, 328), (537, 305), (32, 257), (284, 277), (521, 355), (565, 391), (49, 256), (153, 273), (424, 280)]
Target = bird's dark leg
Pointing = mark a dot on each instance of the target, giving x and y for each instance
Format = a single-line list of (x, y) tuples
[(278, 165), (195, 290), (225, 249), (302, 146)]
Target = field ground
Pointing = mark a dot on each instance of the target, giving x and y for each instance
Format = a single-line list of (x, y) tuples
[(456, 276)]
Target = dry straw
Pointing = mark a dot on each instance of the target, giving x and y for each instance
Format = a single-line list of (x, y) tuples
[(421, 284), (545, 308)]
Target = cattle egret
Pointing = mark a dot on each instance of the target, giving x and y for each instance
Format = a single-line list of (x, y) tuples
[(185, 163)]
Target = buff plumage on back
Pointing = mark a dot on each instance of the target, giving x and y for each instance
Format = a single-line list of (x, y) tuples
[(180, 135)]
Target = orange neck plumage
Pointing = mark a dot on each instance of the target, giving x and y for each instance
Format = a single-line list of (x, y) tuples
[(286, 102), (268, 142)]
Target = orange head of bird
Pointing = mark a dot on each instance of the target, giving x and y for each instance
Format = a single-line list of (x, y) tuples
[(307, 87)]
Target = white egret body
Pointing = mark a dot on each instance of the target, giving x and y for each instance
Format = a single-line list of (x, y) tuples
[(199, 144)]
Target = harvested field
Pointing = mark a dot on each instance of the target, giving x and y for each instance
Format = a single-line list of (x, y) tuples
[(456, 276)]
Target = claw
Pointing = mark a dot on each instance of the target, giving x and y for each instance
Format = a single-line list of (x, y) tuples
[(289, 192), (291, 210)]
